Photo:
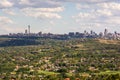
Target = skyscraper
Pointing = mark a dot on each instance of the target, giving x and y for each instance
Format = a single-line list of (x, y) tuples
[(105, 32), (26, 31)]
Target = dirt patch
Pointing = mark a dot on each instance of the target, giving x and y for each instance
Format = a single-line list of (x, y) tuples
[(109, 41)]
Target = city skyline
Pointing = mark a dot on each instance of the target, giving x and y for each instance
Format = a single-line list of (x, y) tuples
[(61, 16), (28, 30), (102, 35)]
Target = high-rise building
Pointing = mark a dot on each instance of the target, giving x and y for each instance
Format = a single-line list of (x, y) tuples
[(101, 35), (115, 32), (26, 31), (105, 32), (39, 33), (91, 32), (85, 32)]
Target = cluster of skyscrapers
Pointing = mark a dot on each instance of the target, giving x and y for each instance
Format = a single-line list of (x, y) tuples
[(108, 35)]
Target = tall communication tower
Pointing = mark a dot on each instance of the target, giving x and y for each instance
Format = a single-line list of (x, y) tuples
[(29, 29)]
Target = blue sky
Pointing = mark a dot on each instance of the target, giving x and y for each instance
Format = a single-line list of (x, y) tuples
[(59, 16)]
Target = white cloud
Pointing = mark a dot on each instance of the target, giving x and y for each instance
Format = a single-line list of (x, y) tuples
[(43, 12), (103, 12), (33, 8), (106, 12), (57, 9), (89, 1), (82, 15), (48, 3), (113, 20), (80, 6), (5, 20), (29, 3), (9, 29), (105, 5), (35, 3), (26, 2), (5, 4), (43, 15), (112, 5), (5, 23), (8, 11), (96, 16)]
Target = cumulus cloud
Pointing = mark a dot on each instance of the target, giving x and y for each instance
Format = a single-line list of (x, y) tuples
[(43, 12), (83, 15), (113, 20), (9, 11), (105, 12), (57, 9), (34, 3), (47, 3), (5, 4), (5, 20), (38, 8), (4, 24), (25, 2), (33, 8), (89, 1), (46, 9), (39, 3), (112, 5)]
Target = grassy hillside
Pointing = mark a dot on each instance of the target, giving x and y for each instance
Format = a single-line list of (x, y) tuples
[(49, 59)]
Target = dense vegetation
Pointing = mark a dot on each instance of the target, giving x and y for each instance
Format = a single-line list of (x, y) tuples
[(49, 59)]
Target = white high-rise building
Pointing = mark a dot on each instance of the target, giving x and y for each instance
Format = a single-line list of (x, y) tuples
[(105, 32)]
